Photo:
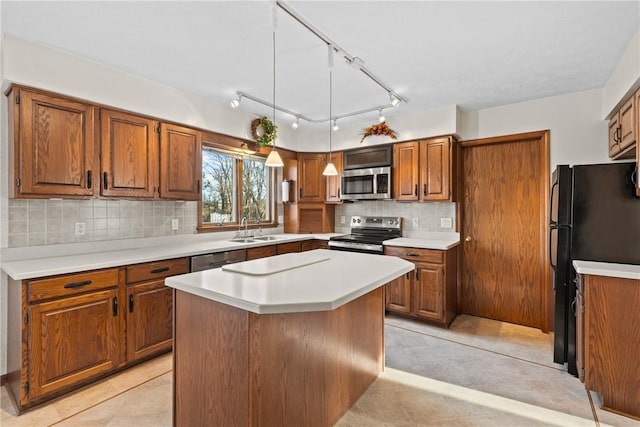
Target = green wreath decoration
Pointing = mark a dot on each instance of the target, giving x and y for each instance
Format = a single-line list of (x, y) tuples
[(263, 131)]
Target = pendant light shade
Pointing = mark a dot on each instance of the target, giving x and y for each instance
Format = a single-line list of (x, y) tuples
[(274, 160), (330, 169)]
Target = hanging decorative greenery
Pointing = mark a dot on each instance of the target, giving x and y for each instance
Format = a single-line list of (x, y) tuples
[(263, 131), (379, 129)]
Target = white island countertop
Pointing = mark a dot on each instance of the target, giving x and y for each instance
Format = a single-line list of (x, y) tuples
[(324, 280), (622, 271)]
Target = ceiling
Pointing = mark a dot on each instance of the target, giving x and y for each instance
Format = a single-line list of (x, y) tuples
[(472, 54)]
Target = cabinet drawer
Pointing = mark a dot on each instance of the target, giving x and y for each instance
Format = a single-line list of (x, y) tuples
[(285, 248), (261, 252), (413, 254), (157, 270), (71, 284)]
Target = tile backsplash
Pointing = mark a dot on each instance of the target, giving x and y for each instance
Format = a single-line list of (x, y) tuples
[(428, 215), (52, 221)]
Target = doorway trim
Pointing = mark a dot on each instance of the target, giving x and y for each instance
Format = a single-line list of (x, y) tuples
[(542, 138)]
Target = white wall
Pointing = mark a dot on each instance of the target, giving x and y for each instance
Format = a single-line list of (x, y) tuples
[(578, 132), (409, 126), (46, 68), (625, 77)]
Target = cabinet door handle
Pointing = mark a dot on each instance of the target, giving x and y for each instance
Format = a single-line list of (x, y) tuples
[(131, 303), (424, 189), (105, 180), (89, 179), (417, 275), (300, 191), (415, 190), (159, 270), (198, 185), (338, 192), (407, 276), (77, 284), (114, 306)]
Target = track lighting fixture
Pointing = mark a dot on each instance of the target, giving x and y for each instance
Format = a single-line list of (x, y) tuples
[(335, 125), (381, 118), (273, 159), (330, 168), (236, 102), (295, 124), (394, 101)]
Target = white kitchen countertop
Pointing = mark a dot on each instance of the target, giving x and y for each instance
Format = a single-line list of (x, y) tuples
[(324, 284), (440, 244), (90, 258), (623, 271)]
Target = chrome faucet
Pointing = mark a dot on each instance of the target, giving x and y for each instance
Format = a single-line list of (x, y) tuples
[(246, 225)]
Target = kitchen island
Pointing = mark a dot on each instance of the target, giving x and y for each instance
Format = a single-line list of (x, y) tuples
[(293, 339)]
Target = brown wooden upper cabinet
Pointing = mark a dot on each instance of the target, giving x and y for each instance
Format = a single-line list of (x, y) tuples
[(53, 143), (180, 162), (623, 130), (333, 182), (311, 182), (129, 146), (423, 169)]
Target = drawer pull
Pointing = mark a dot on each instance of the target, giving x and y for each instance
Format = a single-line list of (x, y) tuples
[(159, 270), (77, 284), (412, 254)]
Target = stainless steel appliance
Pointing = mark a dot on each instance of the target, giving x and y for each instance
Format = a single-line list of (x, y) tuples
[(367, 234), (366, 184), (595, 216), (217, 260)]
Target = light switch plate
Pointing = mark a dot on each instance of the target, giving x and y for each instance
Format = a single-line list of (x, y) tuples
[(175, 224), (343, 219), (415, 222), (446, 222)]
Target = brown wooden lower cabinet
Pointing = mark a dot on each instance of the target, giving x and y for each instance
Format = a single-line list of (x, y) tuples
[(608, 341), (69, 330), (261, 252), (286, 248), (429, 291)]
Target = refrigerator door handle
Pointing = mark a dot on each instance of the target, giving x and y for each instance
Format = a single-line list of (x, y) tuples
[(554, 185), (552, 227)]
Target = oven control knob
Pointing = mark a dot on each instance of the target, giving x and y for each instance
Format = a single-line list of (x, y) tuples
[(358, 220)]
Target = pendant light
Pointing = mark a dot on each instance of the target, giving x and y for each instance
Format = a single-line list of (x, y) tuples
[(273, 159), (330, 169)]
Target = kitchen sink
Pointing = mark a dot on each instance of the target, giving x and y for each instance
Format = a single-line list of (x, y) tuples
[(265, 238), (243, 240)]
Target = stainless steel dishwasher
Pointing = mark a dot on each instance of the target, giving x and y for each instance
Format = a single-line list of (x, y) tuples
[(217, 260)]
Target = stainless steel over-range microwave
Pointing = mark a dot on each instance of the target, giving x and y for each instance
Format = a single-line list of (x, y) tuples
[(366, 183)]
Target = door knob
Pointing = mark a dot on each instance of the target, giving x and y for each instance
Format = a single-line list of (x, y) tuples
[(468, 239)]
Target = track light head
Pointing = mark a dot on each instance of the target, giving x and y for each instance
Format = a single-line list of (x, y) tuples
[(394, 101), (335, 125), (295, 124), (236, 102), (381, 118)]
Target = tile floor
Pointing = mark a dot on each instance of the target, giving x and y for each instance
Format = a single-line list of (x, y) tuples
[(479, 372)]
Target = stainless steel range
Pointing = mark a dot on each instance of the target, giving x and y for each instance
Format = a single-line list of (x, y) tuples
[(367, 234)]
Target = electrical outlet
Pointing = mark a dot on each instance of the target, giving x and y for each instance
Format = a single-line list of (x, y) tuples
[(343, 219), (446, 222), (280, 219), (415, 222), (175, 224), (81, 228)]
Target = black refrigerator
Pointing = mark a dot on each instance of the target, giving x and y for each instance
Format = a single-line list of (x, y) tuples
[(595, 216)]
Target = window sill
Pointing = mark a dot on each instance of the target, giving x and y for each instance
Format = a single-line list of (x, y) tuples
[(234, 227)]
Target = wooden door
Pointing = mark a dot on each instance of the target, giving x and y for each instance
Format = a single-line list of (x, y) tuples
[(405, 170), (149, 319), (310, 179), (435, 169), (429, 291), (129, 146), (180, 163), (333, 182), (637, 142), (56, 146), (614, 138), (627, 132), (505, 269), (397, 294), (72, 339)]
